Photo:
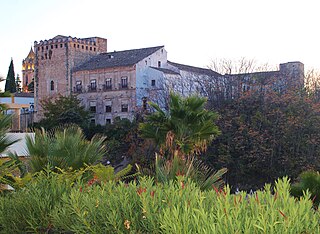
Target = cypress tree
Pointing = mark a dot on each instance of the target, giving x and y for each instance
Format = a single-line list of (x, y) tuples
[(10, 81)]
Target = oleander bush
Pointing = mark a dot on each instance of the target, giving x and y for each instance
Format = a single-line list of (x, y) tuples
[(68, 206)]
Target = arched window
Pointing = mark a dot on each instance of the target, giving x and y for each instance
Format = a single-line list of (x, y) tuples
[(52, 85)]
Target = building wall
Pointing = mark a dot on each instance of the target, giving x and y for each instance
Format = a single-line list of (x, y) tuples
[(55, 59), (145, 75), (116, 96)]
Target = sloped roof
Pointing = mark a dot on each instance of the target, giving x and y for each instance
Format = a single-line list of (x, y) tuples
[(31, 54), (166, 71), (198, 70), (117, 58)]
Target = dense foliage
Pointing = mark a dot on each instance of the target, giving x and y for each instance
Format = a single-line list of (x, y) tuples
[(63, 110), (266, 135), (308, 180), (64, 148), (52, 204), (185, 129)]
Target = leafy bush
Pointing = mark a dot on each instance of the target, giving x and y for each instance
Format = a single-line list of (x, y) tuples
[(309, 180), (192, 167), (63, 148), (146, 207), (29, 209)]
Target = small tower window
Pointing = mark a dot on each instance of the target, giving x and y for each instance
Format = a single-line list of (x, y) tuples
[(159, 63), (56, 46), (153, 82), (52, 85)]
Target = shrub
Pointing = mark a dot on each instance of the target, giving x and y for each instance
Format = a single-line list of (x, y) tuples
[(64, 148), (147, 207), (309, 180)]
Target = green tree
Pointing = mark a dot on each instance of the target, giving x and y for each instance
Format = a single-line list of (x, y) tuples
[(63, 110), (11, 81), (18, 83), (185, 129), (31, 86)]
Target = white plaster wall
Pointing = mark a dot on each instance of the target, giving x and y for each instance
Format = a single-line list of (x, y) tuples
[(144, 75), (18, 100)]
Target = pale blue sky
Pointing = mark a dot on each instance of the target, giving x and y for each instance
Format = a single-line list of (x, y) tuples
[(193, 32)]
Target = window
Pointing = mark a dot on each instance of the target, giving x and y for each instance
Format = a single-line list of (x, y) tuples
[(56, 46), (159, 63), (108, 121), (92, 121), (124, 82), (108, 108), (153, 82), (50, 54), (78, 46), (52, 85), (82, 47), (86, 47), (108, 83), (61, 45), (74, 45), (144, 103), (51, 46), (124, 108), (146, 61), (94, 49), (27, 80), (93, 85), (46, 47), (78, 86), (90, 48), (93, 108)]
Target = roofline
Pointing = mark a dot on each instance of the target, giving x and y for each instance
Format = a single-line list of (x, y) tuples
[(116, 51), (208, 69)]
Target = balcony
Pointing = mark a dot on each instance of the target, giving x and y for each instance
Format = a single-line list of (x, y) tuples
[(77, 89), (123, 86), (92, 88), (106, 87)]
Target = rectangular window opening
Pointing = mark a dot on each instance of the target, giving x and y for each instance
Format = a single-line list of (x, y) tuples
[(124, 82)]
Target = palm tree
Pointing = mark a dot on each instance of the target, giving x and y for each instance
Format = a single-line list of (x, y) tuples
[(64, 148), (185, 129), (183, 132)]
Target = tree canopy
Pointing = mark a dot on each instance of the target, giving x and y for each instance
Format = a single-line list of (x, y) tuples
[(63, 110), (185, 129)]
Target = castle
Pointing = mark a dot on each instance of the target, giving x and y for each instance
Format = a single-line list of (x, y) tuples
[(119, 83)]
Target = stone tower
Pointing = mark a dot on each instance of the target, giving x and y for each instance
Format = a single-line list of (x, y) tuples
[(28, 70), (54, 60), (293, 74)]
